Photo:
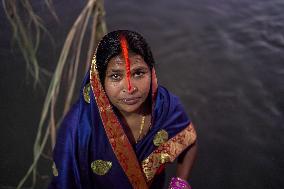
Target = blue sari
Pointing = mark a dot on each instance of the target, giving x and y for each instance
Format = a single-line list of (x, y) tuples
[(93, 151)]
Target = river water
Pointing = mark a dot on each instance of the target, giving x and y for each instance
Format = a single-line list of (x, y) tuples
[(224, 59)]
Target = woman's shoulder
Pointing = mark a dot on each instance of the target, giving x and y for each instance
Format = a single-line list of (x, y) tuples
[(167, 96), (168, 102), (70, 120), (169, 112)]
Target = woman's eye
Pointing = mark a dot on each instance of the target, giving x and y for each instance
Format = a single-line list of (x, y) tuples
[(138, 74), (115, 77)]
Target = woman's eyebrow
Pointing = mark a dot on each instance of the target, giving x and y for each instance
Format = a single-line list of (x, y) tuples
[(113, 70), (140, 68)]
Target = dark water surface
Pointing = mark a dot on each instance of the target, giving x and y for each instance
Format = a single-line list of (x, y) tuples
[(224, 59)]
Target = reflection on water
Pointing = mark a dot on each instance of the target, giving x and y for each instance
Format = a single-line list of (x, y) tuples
[(225, 60)]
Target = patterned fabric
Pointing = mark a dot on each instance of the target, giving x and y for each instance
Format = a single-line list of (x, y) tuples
[(168, 151)]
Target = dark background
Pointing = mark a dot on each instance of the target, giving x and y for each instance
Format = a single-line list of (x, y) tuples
[(224, 59)]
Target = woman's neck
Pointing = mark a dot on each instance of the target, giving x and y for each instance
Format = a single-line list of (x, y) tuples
[(144, 110), (137, 123)]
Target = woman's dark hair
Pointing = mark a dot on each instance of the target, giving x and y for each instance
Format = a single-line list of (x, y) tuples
[(110, 46)]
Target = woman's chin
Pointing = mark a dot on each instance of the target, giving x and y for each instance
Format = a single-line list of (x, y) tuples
[(128, 109)]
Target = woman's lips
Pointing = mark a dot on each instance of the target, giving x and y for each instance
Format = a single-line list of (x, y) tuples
[(130, 101)]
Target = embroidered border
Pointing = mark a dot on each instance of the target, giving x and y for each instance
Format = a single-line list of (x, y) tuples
[(117, 138), (167, 152)]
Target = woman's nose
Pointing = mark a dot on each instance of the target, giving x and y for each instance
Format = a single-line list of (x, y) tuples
[(129, 87), (132, 90)]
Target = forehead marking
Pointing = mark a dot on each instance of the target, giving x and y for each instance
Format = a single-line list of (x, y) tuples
[(124, 48)]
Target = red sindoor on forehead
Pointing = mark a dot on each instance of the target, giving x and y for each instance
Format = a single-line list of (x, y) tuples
[(124, 47)]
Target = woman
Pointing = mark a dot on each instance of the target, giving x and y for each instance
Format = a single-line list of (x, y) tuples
[(124, 127)]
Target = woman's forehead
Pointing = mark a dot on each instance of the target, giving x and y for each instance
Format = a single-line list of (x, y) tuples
[(118, 60)]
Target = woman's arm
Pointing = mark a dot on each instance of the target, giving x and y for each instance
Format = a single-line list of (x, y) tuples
[(185, 161), (65, 167)]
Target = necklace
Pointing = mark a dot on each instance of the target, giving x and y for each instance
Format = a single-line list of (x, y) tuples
[(141, 128)]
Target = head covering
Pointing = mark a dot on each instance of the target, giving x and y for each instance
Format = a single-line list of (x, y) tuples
[(93, 151)]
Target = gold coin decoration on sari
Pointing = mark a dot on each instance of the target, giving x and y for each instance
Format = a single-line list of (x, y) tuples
[(54, 170), (86, 92), (168, 151), (161, 137), (101, 167), (164, 158)]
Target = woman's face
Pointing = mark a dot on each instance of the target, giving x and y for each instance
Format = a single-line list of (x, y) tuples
[(116, 84)]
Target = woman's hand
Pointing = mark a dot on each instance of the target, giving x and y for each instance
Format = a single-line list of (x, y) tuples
[(185, 161)]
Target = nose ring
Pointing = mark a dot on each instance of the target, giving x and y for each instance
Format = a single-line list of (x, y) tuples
[(133, 89)]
